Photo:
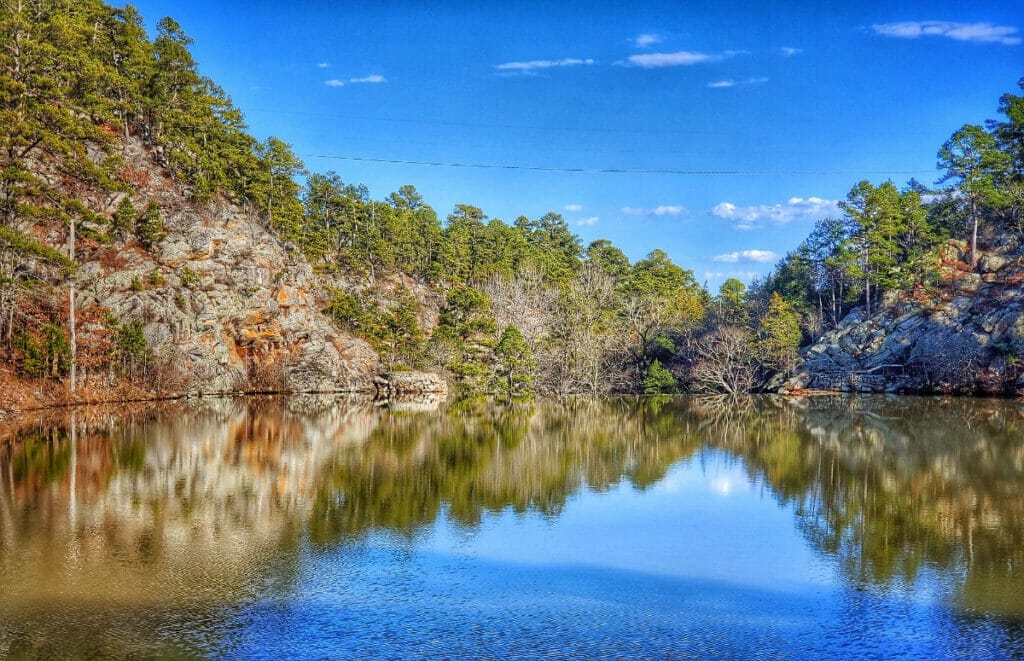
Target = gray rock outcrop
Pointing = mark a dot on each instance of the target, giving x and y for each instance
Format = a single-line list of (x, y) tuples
[(968, 338), (225, 305)]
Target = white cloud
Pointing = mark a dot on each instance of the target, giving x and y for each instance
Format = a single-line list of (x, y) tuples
[(375, 78), (722, 275), (537, 65), (647, 39), (733, 83), (795, 208), (323, 65), (790, 52), (334, 83), (661, 210), (758, 256), (978, 32), (587, 221), (574, 208), (677, 59)]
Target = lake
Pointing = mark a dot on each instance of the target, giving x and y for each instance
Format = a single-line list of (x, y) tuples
[(315, 527)]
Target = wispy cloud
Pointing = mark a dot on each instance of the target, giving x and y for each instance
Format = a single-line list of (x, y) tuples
[(722, 275), (532, 66), (678, 59), (661, 210), (790, 52), (985, 33), (758, 256), (323, 65), (584, 222), (573, 208), (647, 39), (375, 78), (719, 84), (795, 208)]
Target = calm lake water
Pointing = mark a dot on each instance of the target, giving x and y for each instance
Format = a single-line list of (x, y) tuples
[(318, 528)]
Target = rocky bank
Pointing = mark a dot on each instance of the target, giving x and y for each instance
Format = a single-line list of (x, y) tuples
[(226, 306), (964, 336)]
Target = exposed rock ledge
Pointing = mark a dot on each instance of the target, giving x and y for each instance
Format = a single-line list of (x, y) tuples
[(402, 386), (967, 339)]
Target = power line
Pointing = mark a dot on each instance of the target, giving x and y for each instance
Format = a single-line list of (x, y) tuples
[(653, 171)]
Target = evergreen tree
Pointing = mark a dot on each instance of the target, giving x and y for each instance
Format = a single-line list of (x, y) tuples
[(779, 334), (514, 367), (659, 380)]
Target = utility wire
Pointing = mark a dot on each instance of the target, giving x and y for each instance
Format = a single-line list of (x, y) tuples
[(538, 168)]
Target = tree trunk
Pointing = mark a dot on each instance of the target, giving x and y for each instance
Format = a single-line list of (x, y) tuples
[(974, 234), (71, 311)]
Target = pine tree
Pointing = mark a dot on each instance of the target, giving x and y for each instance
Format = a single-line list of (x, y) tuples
[(513, 374)]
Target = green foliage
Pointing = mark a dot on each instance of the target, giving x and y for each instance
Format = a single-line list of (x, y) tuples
[(150, 229), (659, 380), (46, 354), (731, 303), (189, 279), (779, 334), (136, 284), (156, 278), (392, 330), (130, 349), (514, 366), (464, 341), (122, 224)]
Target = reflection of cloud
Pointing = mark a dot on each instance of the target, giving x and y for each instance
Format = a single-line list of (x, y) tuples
[(976, 32), (722, 485)]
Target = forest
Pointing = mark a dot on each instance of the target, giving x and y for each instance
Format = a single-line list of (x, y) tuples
[(522, 307)]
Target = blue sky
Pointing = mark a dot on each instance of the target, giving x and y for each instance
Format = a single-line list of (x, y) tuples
[(786, 104)]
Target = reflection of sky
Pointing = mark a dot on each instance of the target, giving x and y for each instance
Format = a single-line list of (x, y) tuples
[(704, 520)]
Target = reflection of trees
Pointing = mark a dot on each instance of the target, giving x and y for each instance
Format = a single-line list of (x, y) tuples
[(886, 486), (889, 486), (489, 459)]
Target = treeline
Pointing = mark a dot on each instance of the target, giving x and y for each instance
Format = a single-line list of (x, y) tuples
[(523, 307)]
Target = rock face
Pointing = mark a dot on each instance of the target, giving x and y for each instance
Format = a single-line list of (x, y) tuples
[(226, 306), (399, 386), (969, 338)]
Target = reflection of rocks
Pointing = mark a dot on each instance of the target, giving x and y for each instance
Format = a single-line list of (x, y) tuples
[(883, 485)]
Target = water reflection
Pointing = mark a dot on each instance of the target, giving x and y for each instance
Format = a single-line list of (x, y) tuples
[(183, 512)]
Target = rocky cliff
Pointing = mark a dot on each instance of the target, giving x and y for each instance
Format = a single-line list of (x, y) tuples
[(966, 335), (226, 306)]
